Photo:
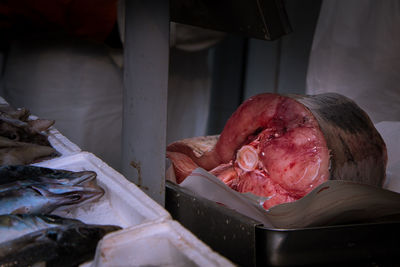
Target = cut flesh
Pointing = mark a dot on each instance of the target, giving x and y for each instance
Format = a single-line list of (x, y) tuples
[(282, 147)]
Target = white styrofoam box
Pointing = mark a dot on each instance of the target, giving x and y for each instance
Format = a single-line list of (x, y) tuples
[(155, 244), (123, 203), (60, 143), (3, 101)]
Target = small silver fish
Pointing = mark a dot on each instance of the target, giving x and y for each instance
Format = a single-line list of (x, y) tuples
[(12, 173), (45, 198)]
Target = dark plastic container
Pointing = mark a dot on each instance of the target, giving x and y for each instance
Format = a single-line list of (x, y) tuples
[(247, 243)]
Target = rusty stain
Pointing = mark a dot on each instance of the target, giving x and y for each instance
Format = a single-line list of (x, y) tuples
[(103, 255), (162, 189), (322, 189), (137, 166)]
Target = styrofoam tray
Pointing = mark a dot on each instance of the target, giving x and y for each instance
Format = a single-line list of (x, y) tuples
[(123, 203), (155, 244), (60, 143)]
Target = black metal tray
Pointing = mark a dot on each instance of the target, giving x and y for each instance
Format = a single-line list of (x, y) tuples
[(247, 243)]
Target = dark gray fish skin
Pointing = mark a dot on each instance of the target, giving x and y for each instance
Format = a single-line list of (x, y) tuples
[(13, 226), (40, 125), (22, 140), (13, 173), (19, 113), (45, 198), (81, 181), (15, 125), (22, 131), (358, 152), (19, 153), (58, 246)]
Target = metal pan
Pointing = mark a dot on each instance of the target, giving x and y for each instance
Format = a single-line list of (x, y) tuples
[(247, 243)]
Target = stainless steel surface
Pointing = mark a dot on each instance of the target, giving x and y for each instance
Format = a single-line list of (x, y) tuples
[(369, 244), (225, 231), (146, 57), (247, 243)]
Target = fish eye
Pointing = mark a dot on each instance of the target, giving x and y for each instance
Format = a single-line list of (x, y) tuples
[(75, 197)]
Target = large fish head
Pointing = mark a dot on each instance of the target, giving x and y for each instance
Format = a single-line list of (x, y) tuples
[(65, 195)]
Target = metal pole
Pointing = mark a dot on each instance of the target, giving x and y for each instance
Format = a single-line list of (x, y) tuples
[(146, 58)]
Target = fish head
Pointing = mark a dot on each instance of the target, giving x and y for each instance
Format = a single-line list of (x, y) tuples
[(90, 229), (69, 178), (66, 195)]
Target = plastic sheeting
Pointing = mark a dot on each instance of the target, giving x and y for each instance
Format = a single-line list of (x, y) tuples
[(188, 94), (356, 52), (78, 83), (73, 82)]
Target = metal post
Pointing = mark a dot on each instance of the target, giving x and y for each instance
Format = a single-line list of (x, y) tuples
[(146, 58)]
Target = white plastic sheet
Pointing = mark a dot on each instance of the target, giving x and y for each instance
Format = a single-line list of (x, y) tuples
[(356, 52), (210, 187), (74, 82), (79, 83)]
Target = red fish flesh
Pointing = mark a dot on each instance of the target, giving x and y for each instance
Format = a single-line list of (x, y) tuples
[(281, 147)]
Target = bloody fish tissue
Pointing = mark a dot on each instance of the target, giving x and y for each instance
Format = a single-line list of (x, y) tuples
[(282, 147)]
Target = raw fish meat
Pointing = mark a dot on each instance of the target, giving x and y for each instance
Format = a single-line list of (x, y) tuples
[(282, 147)]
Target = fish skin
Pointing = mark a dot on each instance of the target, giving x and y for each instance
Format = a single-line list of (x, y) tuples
[(21, 139), (40, 125), (13, 226), (21, 131), (16, 125), (84, 181), (42, 180), (13, 173), (20, 153), (45, 198), (58, 246), (19, 113), (357, 150)]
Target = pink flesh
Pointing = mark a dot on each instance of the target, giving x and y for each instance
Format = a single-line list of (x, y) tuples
[(292, 153), (183, 165), (271, 146)]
